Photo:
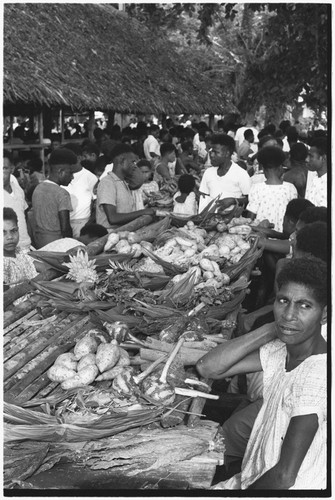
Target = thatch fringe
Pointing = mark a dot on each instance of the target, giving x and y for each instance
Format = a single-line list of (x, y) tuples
[(92, 56)]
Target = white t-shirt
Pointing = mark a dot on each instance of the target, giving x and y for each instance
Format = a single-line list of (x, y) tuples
[(151, 145), (316, 190), (270, 201), (234, 184), (81, 192), (199, 146), (16, 201), (239, 136)]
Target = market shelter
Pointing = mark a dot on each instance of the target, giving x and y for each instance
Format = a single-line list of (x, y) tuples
[(154, 402)]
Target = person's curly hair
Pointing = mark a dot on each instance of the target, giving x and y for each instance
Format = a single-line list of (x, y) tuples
[(308, 271)]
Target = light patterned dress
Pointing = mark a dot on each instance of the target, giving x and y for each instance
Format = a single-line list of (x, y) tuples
[(302, 391), (269, 201), (18, 269)]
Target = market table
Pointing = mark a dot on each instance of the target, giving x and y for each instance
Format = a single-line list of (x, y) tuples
[(30, 348)]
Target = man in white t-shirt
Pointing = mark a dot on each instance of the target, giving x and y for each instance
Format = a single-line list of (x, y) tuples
[(239, 137), (225, 178), (316, 189), (81, 191), (13, 197), (151, 145)]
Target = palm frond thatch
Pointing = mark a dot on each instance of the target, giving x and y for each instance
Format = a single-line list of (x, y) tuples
[(92, 56)]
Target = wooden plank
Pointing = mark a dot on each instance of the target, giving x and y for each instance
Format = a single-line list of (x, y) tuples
[(33, 334), (13, 367), (36, 379), (19, 321)]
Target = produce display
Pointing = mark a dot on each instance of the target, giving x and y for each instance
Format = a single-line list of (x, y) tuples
[(158, 300)]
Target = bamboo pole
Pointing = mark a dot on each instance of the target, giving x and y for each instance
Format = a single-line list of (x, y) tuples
[(91, 126), (61, 117), (40, 137)]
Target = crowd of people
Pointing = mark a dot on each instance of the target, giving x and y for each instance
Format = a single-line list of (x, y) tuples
[(278, 439)]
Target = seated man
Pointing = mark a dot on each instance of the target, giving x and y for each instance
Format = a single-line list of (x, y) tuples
[(115, 205), (287, 448), (51, 203)]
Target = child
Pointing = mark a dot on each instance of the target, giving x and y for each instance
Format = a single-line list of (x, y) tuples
[(184, 201), (18, 266), (268, 200), (149, 185)]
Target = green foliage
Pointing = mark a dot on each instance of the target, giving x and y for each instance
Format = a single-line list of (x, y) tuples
[(259, 53)]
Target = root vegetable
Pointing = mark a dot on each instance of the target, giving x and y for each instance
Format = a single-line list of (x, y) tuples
[(111, 374), (89, 359), (85, 377), (207, 275), (245, 230), (206, 265), (107, 356), (147, 245), (86, 345), (123, 247), (124, 359), (113, 239), (221, 227), (137, 250), (67, 360), (216, 270), (60, 373), (125, 383), (224, 251)]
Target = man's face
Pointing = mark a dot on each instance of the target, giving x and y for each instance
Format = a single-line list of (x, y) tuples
[(171, 157), (7, 170), (297, 313), (219, 154), (129, 164), (314, 160), (10, 237), (251, 138), (65, 175), (146, 172)]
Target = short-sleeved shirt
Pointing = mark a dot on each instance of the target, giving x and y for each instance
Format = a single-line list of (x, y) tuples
[(113, 191), (151, 145), (19, 268), (269, 201), (316, 191), (189, 206), (81, 192), (234, 184), (48, 199), (17, 202)]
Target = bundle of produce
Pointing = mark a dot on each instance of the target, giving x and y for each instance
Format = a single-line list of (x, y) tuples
[(221, 311), (245, 262), (156, 263), (210, 294), (182, 288), (124, 240), (146, 280), (24, 424), (173, 330), (161, 199)]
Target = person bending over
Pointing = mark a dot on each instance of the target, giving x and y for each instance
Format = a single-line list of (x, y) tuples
[(115, 205), (287, 448)]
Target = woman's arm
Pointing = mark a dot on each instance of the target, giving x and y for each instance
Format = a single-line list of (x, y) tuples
[(236, 356), (299, 436)]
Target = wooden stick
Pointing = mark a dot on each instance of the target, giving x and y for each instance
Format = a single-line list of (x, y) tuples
[(150, 369), (193, 393), (170, 360)]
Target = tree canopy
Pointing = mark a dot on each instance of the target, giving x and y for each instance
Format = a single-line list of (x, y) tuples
[(267, 53)]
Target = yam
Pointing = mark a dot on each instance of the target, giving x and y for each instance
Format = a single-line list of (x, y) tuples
[(85, 377), (60, 373), (107, 356), (88, 359), (67, 360), (86, 345), (111, 374), (124, 359)]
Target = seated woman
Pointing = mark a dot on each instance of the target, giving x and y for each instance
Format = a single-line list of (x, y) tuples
[(18, 266), (287, 448)]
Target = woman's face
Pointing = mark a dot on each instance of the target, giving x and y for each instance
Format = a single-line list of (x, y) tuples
[(10, 237), (298, 315)]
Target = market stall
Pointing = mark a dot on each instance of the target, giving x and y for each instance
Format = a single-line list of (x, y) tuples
[(100, 380)]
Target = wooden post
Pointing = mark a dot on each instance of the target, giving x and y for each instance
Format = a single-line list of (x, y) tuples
[(211, 121), (11, 123), (40, 136), (61, 118), (91, 126)]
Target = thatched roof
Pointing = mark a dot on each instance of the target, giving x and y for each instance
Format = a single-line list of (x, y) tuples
[(92, 56)]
